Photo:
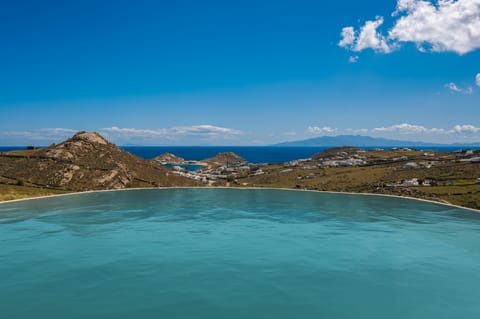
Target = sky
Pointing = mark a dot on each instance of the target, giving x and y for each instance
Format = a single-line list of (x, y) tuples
[(239, 72)]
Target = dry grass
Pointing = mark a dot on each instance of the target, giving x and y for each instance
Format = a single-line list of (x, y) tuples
[(456, 182), (453, 181), (11, 192)]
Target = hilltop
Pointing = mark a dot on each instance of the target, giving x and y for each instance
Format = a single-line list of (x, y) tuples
[(86, 161), (226, 158), (169, 158)]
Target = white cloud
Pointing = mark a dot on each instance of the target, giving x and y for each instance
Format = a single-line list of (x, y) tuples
[(134, 131), (406, 128), (468, 128), (171, 133), (321, 130), (348, 37), (369, 37), (353, 59), (178, 135), (454, 88), (477, 79), (444, 25), (447, 26), (204, 130)]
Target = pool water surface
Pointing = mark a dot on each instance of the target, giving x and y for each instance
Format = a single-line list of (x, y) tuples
[(237, 253)]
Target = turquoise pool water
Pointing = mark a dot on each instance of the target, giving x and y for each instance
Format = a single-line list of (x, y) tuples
[(226, 253)]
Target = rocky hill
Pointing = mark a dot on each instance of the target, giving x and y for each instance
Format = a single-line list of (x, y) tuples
[(226, 158), (87, 161), (169, 158)]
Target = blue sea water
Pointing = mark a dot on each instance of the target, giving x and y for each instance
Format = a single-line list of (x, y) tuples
[(237, 253), (11, 148), (188, 167), (253, 154)]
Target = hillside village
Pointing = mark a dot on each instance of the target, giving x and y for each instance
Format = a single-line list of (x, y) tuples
[(87, 161), (440, 176)]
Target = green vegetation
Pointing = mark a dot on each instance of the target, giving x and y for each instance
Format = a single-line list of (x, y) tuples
[(10, 192), (444, 177)]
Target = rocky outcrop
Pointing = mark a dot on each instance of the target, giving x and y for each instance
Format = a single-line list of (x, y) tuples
[(226, 158), (169, 158), (87, 161)]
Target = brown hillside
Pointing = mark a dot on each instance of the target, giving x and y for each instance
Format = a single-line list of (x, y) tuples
[(169, 158), (86, 161), (337, 151), (225, 158)]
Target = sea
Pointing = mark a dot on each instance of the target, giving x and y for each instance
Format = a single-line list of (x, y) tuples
[(252, 154)]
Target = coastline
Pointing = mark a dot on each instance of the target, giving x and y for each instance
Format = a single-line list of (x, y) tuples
[(444, 203)]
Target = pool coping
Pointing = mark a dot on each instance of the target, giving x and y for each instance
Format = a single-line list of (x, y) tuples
[(243, 188)]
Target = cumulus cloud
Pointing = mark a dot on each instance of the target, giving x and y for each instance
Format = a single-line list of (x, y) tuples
[(348, 37), (403, 128), (134, 131), (406, 128), (444, 25), (466, 129), (447, 26), (321, 130), (477, 79), (185, 135), (172, 132), (204, 130), (369, 37)]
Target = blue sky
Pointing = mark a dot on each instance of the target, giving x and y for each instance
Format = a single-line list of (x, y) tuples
[(239, 72)]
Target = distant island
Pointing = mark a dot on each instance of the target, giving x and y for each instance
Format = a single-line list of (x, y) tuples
[(366, 141)]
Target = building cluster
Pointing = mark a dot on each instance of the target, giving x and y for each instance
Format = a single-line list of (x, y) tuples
[(344, 159), (412, 183), (344, 163), (212, 171), (225, 171)]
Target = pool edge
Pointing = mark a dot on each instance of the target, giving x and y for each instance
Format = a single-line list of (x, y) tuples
[(242, 188)]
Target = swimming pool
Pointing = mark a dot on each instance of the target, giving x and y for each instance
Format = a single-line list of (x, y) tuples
[(237, 253)]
